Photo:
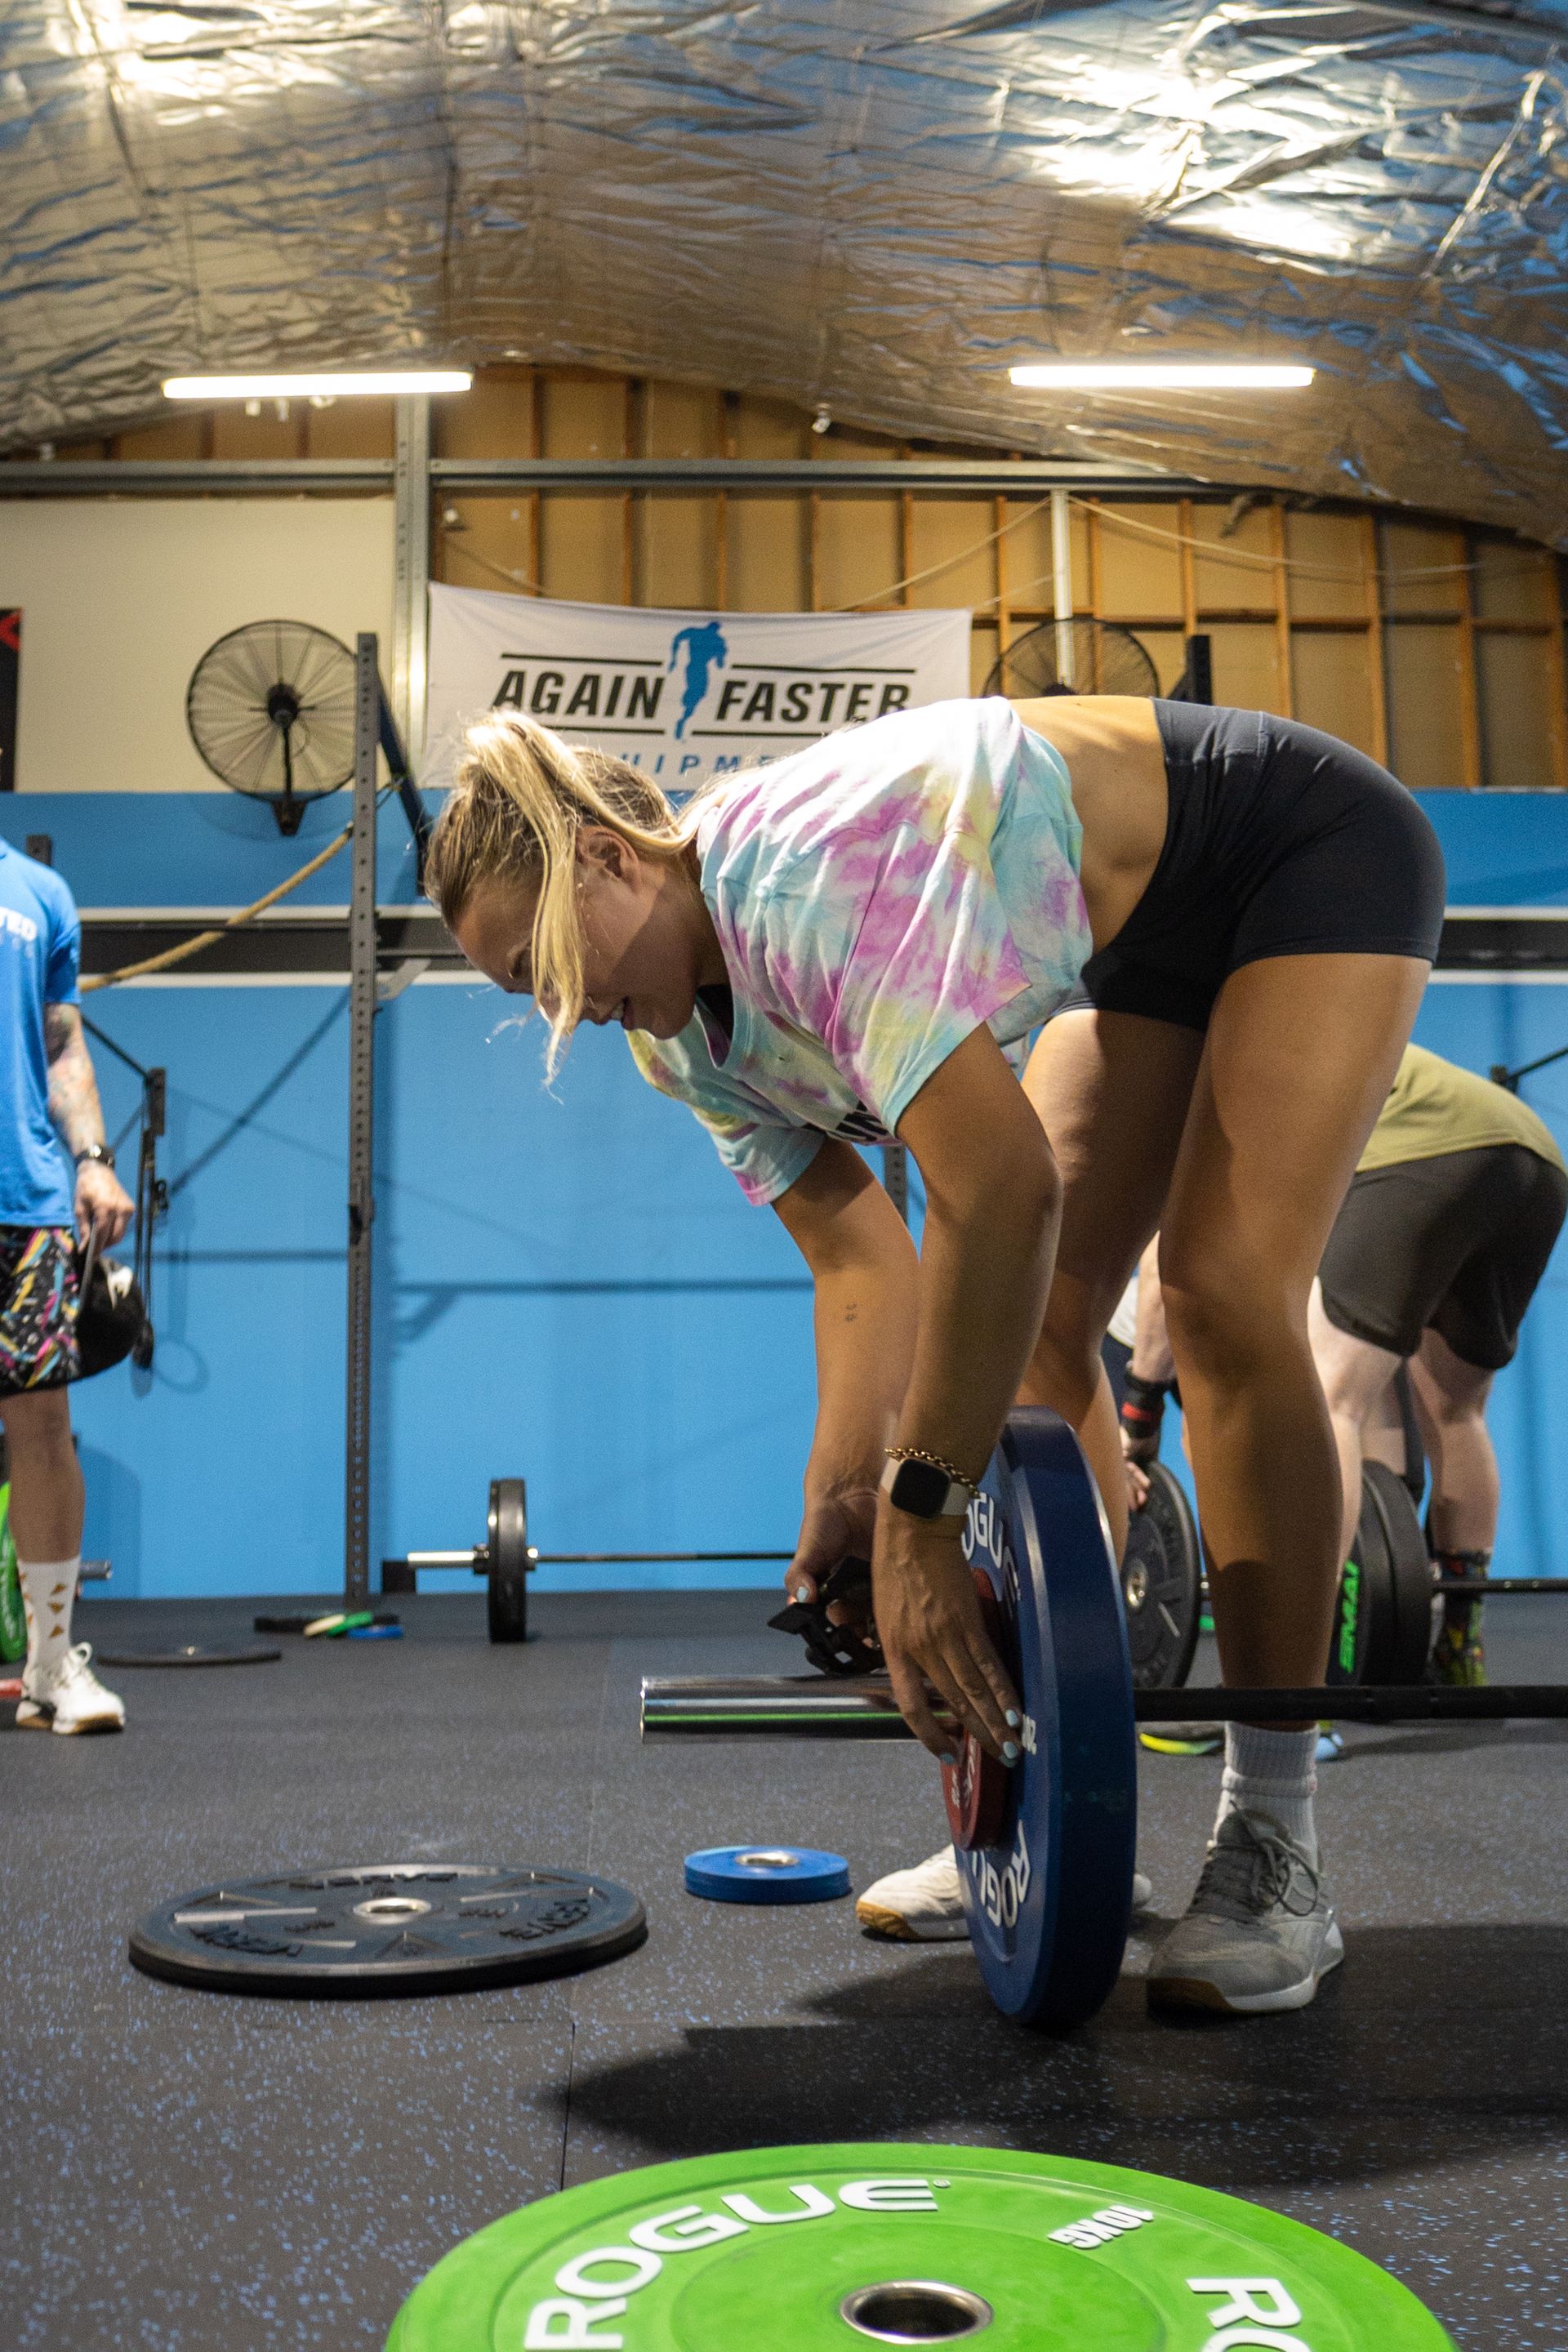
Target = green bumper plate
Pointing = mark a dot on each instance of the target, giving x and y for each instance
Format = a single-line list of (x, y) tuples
[(824, 2249)]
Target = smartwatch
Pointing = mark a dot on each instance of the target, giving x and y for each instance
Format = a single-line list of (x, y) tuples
[(925, 1491)]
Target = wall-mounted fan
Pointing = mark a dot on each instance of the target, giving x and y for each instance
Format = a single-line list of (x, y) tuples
[(271, 710), (1106, 659)]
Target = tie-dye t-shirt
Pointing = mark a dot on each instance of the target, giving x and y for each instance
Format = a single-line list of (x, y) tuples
[(878, 898)]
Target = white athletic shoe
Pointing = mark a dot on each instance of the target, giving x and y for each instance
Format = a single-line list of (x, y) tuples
[(70, 1699), (925, 1904)]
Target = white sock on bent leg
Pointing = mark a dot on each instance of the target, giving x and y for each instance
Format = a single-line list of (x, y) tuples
[(1271, 1773), (49, 1595)]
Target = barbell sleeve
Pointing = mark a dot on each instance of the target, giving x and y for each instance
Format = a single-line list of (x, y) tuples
[(607, 1559), (805, 1707), (477, 1558), (828, 1707)]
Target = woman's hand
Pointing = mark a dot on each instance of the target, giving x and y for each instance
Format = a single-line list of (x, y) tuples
[(1137, 1484), (833, 1527), (931, 1632)]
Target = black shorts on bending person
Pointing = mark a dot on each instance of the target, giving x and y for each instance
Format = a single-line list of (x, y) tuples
[(1278, 842), (1455, 1244)]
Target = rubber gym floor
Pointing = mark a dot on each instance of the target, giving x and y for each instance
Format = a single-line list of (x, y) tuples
[(188, 2170)]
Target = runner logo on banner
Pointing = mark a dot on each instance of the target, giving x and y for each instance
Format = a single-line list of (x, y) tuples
[(681, 695)]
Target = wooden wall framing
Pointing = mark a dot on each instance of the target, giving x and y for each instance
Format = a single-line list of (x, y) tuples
[(1434, 647)]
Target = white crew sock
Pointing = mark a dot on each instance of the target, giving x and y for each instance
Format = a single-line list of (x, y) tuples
[(1271, 1773), (48, 1594)]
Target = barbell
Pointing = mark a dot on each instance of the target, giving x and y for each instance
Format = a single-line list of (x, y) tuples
[(1381, 1626), (1047, 1849), (506, 1560), (1382, 1611)]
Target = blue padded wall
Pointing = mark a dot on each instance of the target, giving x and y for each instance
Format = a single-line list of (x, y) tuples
[(568, 1286)]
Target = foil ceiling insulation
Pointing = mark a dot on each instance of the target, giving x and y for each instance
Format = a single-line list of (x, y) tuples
[(869, 206)]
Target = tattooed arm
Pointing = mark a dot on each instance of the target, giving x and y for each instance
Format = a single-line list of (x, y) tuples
[(101, 1201)]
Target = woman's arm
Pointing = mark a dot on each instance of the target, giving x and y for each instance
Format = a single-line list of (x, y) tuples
[(866, 1277), (993, 1207)]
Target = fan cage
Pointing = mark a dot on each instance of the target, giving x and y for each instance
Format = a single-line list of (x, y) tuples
[(271, 709), (1106, 659)]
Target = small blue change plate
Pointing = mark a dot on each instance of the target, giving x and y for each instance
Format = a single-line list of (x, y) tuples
[(766, 1874)]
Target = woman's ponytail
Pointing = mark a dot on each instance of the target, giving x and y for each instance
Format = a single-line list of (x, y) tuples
[(520, 796)]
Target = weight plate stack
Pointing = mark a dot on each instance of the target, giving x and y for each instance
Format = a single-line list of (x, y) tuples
[(1410, 1575), (822, 2249), (974, 1787), (506, 1539), (1162, 1585), (1071, 1802), (1382, 1617), (403, 1927), (1363, 1603)]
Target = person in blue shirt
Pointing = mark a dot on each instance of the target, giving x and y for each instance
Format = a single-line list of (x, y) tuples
[(57, 1191)]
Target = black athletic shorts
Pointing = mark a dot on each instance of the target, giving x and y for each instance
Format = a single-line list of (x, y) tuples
[(1455, 1244), (1279, 840)]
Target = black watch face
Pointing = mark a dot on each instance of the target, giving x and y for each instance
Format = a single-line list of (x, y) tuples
[(919, 1488)]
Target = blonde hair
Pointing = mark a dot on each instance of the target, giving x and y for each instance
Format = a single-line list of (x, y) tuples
[(518, 799)]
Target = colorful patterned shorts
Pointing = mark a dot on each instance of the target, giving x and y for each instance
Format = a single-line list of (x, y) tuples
[(37, 1308)]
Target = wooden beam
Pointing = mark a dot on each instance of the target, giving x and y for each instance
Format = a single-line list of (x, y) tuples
[(1469, 684), (1377, 657), (1282, 609)]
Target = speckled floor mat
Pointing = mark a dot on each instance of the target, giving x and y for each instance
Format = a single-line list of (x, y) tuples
[(184, 2172)]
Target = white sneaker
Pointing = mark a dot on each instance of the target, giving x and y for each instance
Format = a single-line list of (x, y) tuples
[(70, 1699), (925, 1904)]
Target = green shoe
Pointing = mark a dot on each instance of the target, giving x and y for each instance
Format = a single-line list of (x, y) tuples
[(13, 1617)]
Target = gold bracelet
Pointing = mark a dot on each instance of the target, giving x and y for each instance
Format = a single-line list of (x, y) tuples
[(937, 1461)]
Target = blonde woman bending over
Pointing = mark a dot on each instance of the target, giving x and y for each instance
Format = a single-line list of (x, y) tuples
[(857, 942)]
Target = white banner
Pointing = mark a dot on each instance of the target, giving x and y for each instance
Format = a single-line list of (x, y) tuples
[(684, 695)]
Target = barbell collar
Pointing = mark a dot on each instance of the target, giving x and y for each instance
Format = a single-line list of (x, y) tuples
[(826, 1708)]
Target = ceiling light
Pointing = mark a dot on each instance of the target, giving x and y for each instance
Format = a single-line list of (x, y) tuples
[(386, 381), (1159, 375)]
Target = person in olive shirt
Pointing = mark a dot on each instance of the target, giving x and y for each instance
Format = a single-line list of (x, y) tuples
[(1442, 1239), (1437, 1251)]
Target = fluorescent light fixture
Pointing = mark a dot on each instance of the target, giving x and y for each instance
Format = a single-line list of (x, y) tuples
[(1159, 375), (303, 387)]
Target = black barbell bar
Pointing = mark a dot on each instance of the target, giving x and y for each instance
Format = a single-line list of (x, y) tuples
[(1476, 1587), (1498, 1587), (477, 1558), (828, 1707)]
